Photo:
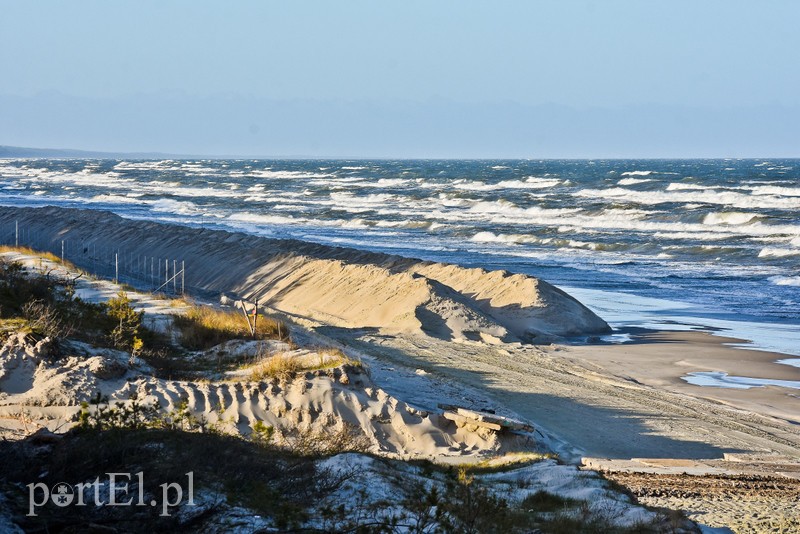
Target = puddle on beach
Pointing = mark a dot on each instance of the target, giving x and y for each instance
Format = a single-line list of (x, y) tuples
[(616, 339), (723, 380)]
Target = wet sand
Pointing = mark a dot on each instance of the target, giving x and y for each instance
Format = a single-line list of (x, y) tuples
[(660, 359)]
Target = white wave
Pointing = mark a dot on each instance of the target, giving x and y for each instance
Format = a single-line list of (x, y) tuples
[(677, 186), (167, 205), (349, 168), (785, 280), (473, 186), (184, 191), (405, 223), (637, 173), (267, 173), (574, 220), (350, 180), (249, 217), (531, 182), (144, 165), (491, 237), (116, 199), (707, 196), (696, 236), (392, 182), (500, 167), (633, 181), (360, 200), (508, 207), (776, 190), (107, 180), (729, 217), (774, 252), (353, 223), (196, 168)]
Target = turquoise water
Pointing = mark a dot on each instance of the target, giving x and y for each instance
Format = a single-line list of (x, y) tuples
[(716, 243)]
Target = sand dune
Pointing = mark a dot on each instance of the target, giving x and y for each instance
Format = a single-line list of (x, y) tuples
[(340, 287), (50, 392)]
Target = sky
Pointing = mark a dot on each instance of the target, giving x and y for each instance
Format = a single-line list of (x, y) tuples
[(626, 78)]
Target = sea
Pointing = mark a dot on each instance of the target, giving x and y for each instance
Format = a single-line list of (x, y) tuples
[(711, 245)]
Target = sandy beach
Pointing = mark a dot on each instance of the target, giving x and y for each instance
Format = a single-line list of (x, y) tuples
[(661, 358), (434, 333)]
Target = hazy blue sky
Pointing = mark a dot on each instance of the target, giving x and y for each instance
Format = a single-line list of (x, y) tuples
[(370, 78)]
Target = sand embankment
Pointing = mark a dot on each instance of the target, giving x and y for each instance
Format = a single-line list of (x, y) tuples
[(341, 287)]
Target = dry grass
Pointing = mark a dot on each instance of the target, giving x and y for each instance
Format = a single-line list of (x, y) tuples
[(333, 357), (280, 366), (284, 366), (203, 327), (44, 255)]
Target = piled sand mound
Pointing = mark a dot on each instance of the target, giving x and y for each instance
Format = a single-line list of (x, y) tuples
[(337, 286), (49, 391)]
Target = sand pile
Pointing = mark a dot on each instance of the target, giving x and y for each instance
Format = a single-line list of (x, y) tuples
[(336, 286), (48, 390)]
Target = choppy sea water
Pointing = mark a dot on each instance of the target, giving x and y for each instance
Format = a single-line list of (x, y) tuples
[(663, 243)]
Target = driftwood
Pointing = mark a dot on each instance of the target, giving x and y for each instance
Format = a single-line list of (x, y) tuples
[(464, 416)]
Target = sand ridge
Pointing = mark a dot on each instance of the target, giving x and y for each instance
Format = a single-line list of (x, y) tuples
[(338, 286)]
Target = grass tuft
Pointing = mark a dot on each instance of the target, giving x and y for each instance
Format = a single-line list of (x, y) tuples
[(280, 366)]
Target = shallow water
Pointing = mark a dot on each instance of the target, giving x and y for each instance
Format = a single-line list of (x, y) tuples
[(723, 380)]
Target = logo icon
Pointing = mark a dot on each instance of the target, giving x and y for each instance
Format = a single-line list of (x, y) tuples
[(62, 494)]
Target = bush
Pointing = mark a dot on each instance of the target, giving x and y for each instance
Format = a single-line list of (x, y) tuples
[(44, 319), (124, 336), (329, 442)]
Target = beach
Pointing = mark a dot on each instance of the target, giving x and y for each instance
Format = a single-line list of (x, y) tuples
[(435, 334), (469, 325)]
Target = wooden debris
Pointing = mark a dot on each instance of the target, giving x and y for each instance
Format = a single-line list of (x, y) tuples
[(464, 416)]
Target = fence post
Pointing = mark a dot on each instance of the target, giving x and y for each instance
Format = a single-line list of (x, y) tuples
[(16, 234), (174, 276), (183, 277), (116, 267), (62, 252)]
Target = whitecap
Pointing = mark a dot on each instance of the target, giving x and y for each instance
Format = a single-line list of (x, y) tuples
[(637, 173), (167, 205), (678, 186), (785, 280), (634, 181), (775, 190), (729, 217), (263, 219), (491, 237), (774, 252), (707, 196)]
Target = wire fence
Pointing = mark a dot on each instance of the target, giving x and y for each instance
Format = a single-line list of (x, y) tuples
[(157, 274)]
